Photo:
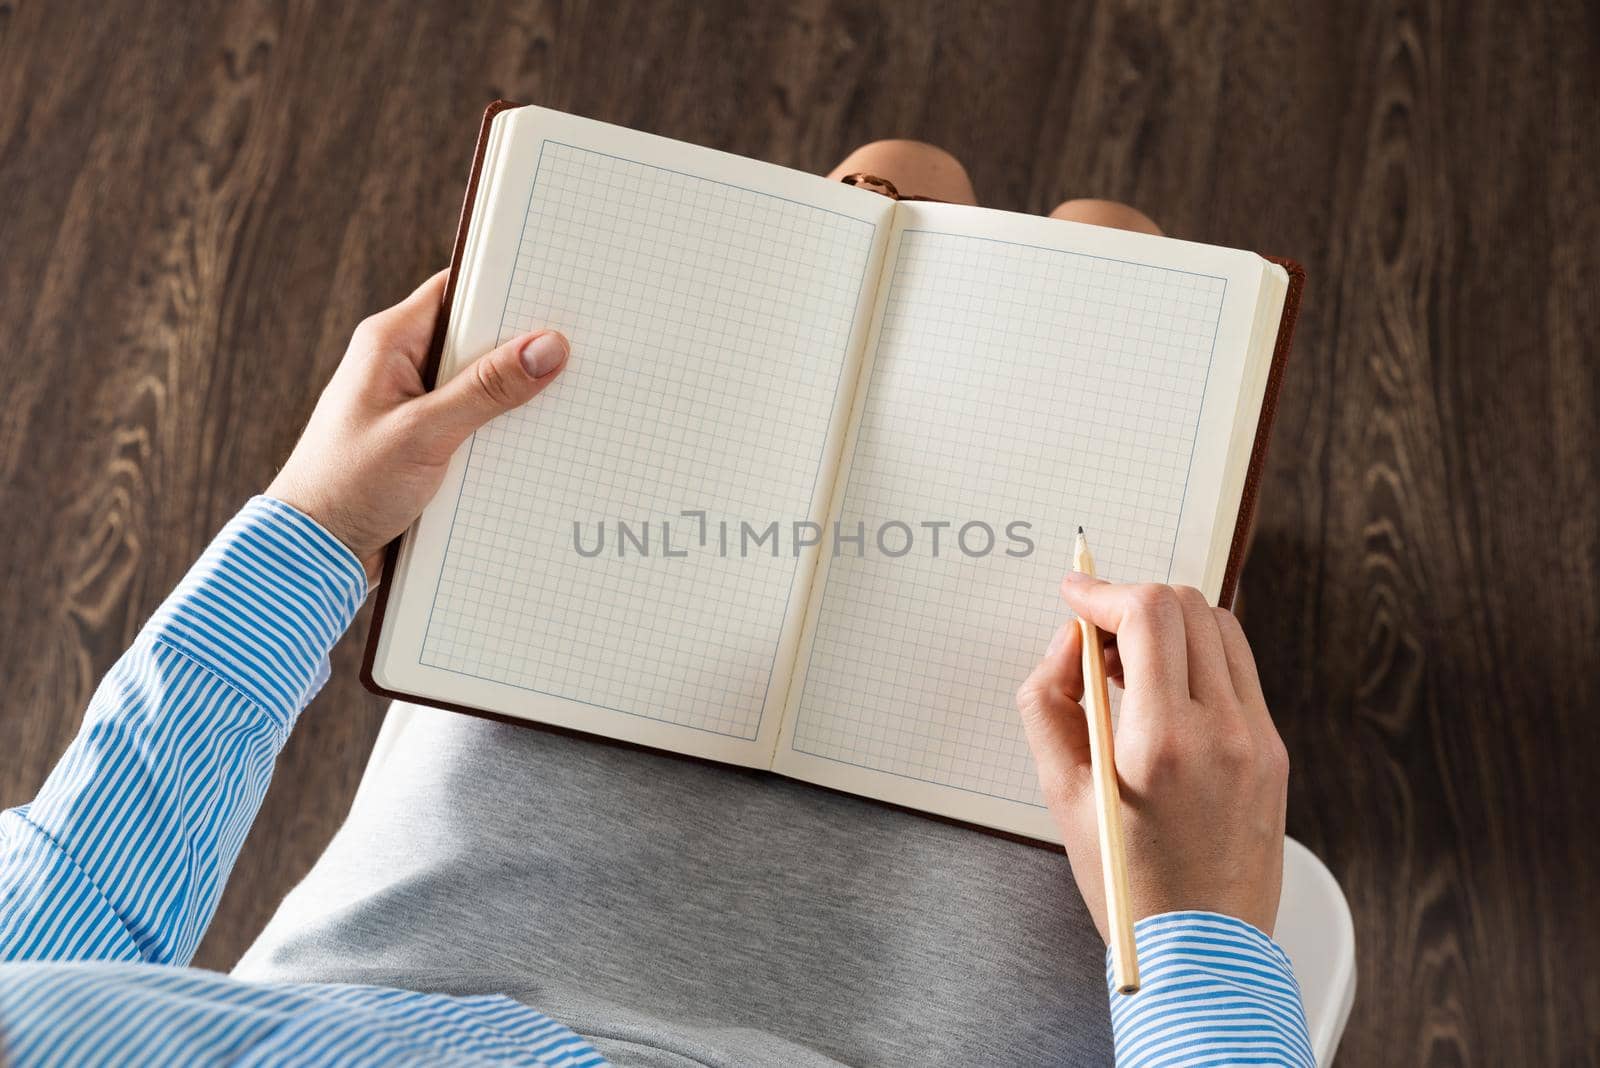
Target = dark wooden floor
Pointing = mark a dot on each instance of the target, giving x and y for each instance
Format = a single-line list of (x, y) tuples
[(195, 210)]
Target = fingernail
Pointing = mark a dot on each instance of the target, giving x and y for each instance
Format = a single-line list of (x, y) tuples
[(1077, 576), (543, 353), (1057, 642)]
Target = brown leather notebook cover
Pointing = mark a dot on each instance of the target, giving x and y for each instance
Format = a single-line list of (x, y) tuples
[(1247, 503)]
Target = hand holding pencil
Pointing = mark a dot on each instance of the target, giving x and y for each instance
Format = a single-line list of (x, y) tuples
[(1200, 769)]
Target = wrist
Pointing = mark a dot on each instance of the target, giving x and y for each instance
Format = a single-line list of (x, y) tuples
[(287, 489)]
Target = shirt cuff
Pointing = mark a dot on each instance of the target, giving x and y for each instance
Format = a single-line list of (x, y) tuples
[(1213, 989), (265, 604)]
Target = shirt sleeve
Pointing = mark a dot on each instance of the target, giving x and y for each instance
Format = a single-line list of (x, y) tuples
[(125, 851), (1214, 991)]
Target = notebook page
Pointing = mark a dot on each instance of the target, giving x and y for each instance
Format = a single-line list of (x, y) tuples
[(717, 309), (1021, 372)]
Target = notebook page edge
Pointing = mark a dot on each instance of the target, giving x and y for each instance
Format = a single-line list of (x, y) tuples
[(467, 274), (1247, 416)]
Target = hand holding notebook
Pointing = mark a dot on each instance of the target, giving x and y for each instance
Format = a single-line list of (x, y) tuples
[(853, 381), (378, 443)]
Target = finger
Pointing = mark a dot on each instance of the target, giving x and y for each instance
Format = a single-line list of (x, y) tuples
[(1053, 719), (1241, 661), (1066, 671), (1148, 623), (1209, 681), (1113, 660), (408, 326), (501, 379)]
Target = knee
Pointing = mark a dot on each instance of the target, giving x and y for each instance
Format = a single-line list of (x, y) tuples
[(1110, 213), (915, 167), (917, 155)]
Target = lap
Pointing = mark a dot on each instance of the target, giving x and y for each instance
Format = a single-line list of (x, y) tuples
[(668, 902)]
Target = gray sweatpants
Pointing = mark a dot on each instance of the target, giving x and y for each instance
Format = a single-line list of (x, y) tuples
[(679, 913)]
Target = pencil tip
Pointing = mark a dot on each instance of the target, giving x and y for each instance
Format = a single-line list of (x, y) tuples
[(1080, 529)]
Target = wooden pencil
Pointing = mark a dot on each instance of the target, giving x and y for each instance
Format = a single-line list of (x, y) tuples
[(1107, 796)]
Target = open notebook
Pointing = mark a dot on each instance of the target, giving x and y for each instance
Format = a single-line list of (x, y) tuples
[(715, 533)]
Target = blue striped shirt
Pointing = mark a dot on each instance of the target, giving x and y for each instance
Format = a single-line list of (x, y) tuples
[(1214, 990), (109, 877)]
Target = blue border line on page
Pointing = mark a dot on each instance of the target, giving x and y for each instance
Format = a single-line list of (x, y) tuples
[(815, 477), (845, 495)]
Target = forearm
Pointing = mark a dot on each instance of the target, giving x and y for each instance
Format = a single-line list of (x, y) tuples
[(126, 849), (1215, 991)]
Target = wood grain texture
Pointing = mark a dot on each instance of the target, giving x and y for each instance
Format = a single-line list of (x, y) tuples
[(198, 208)]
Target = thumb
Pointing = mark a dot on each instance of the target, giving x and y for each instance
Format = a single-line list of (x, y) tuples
[(501, 379)]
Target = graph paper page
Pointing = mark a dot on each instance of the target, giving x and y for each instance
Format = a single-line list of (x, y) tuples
[(1020, 371), (717, 309)]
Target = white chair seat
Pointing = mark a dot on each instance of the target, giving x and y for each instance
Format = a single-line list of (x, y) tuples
[(1315, 929)]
